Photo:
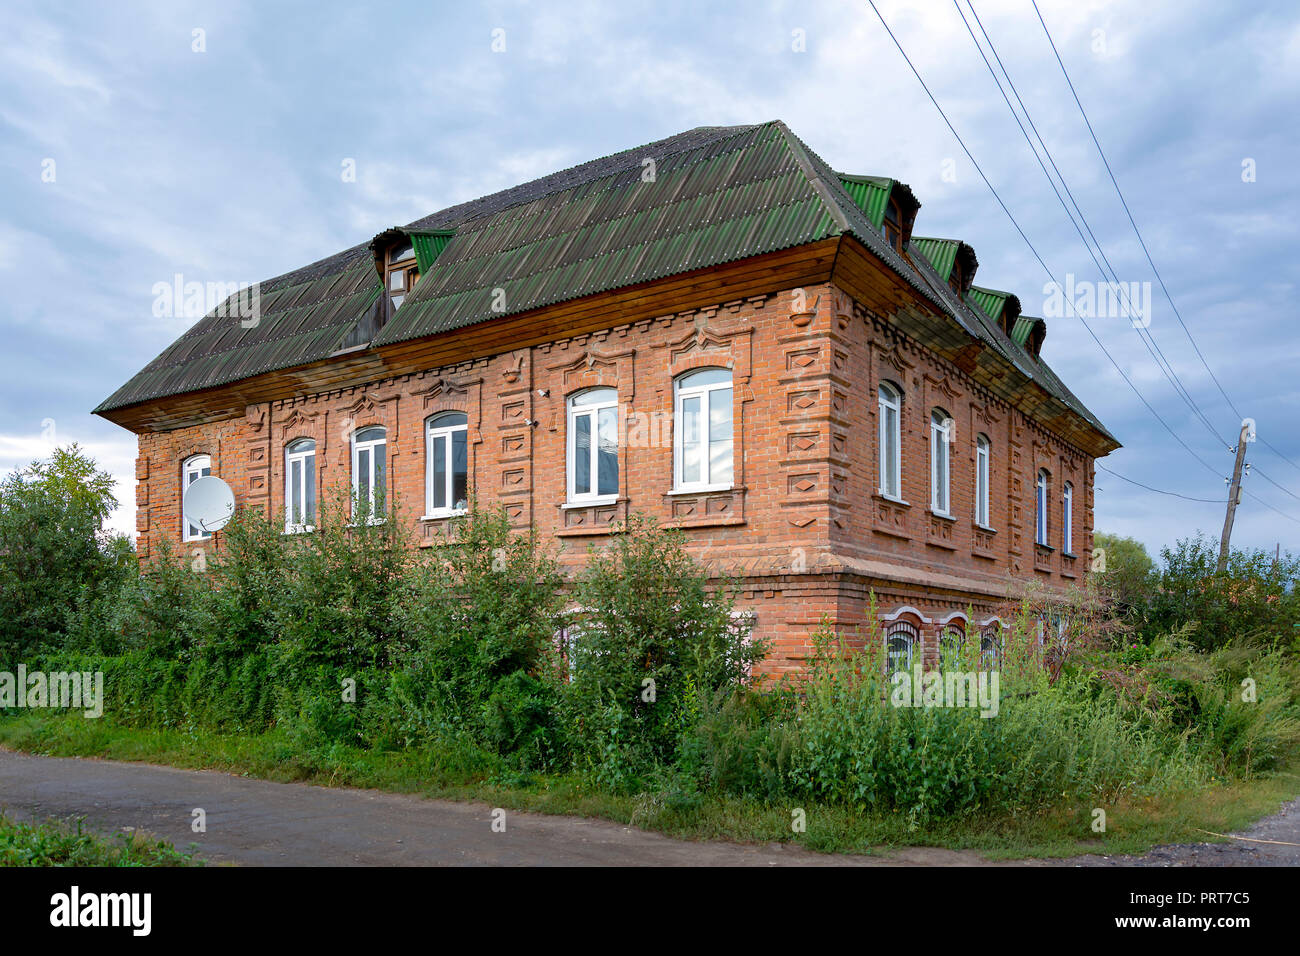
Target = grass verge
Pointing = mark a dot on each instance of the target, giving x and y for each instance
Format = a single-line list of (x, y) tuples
[(1132, 826), (55, 843)]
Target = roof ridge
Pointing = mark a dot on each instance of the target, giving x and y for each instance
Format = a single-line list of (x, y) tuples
[(804, 157)]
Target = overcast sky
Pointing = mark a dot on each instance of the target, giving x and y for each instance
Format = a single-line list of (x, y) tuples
[(138, 141)]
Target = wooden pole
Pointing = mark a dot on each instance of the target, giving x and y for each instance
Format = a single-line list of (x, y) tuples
[(1234, 497)]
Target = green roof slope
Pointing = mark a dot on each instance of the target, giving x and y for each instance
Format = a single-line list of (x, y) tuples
[(719, 194)]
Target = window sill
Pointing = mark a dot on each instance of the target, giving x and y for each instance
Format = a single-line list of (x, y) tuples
[(444, 515), (700, 490), (299, 529), (942, 514), (369, 521), (590, 502), (987, 529), (892, 498)]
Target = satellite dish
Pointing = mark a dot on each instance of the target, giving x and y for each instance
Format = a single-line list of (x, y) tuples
[(208, 503)]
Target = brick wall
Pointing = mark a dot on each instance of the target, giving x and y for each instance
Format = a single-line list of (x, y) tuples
[(804, 524)]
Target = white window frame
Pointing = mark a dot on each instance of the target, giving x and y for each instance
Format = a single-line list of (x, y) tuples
[(681, 394), (303, 490), (940, 450), (590, 410), (370, 444), (1041, 502), (445, 434), (1067, 519), (983, 454), (889, 410), (192, 469)]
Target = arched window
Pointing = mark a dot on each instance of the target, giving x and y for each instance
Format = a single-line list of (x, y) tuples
[(593, 446), (1067, 519), (192, 469), (952, 638), (702, 437), (900, 640), (300, 486), (446, 460), (369, 471), (941, 431), (1041, 499), (890, 440), (982, 450), (990, 645)]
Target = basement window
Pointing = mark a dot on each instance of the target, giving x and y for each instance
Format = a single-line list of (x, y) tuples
[(899, 645), (400, 273)]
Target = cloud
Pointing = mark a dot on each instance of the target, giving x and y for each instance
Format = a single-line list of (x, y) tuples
[(225, 166)]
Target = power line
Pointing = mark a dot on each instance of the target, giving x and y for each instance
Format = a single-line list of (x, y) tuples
[(1108, 272), (1032, 249), (1141, 241), (1174, 494)]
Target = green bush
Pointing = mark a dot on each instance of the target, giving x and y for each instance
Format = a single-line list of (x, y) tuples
[(1257, 598), (654, 640)]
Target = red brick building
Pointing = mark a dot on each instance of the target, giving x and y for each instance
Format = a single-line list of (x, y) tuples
[(715, 330)]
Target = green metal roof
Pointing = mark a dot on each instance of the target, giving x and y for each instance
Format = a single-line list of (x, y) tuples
[(871, 193), (429, 244), (990, 300), (941, 253), (1022, 328), (742, 196), (719, 194)]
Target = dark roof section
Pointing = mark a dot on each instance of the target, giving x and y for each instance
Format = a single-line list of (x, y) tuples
[(736, 193), (303, 317), (718, 194)]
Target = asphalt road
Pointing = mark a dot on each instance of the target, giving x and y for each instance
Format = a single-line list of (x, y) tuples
[(260, 823)]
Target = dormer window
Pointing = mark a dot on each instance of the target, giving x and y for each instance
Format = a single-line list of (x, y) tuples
[(400, 273), (892, 227)]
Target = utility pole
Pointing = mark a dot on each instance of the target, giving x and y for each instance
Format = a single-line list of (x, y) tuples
[(1234, 497)]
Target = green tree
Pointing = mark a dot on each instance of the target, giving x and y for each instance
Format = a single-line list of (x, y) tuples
[(54, 552), (1255, 598), (1129, 573)]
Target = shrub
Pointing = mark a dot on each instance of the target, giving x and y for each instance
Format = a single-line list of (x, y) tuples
[(1048, 740), (654, 639), (479, 621)]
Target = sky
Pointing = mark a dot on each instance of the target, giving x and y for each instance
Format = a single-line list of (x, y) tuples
[(139, 141)]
